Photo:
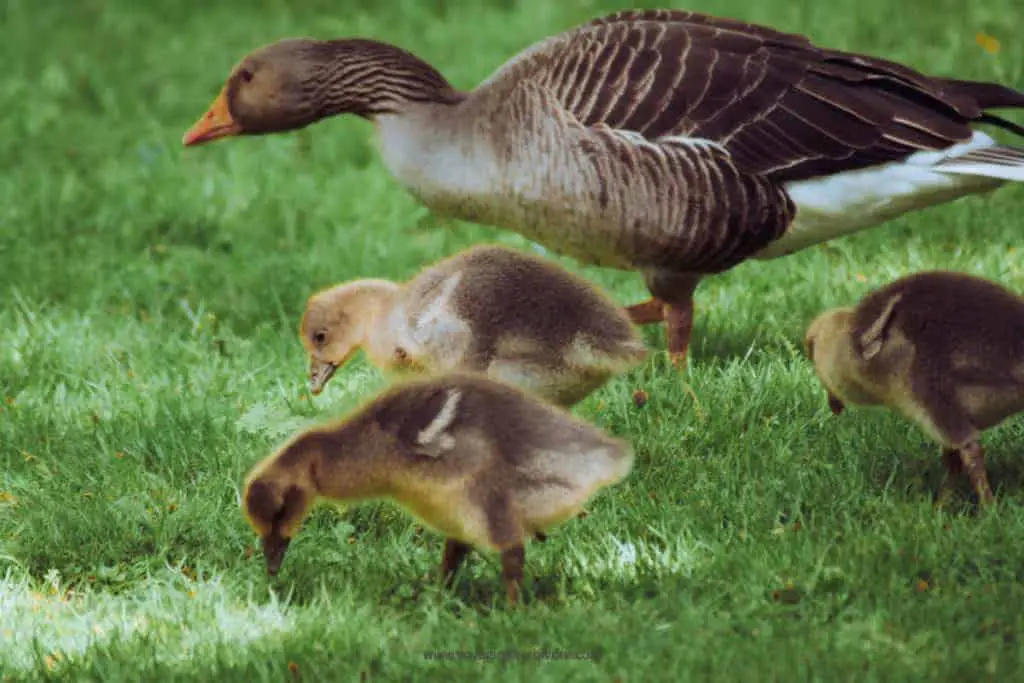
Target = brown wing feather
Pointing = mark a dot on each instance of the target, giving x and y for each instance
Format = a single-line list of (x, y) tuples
[(781, 106)]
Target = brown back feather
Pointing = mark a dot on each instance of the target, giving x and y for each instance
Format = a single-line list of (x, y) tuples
[(782, 106)]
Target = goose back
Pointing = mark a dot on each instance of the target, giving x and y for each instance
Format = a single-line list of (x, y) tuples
[(782, 107)]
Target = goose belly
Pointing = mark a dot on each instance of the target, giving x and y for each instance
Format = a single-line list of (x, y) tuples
[(562, 226), (540, 194)]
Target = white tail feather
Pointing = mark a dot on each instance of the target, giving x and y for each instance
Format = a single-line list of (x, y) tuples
[(835, 205), (978, 168), (996, 161)]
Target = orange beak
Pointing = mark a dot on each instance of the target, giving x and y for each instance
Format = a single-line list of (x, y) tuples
[(215, 123)]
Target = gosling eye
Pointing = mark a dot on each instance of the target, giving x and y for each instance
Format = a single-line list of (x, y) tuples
[(320, 337), (809, 343), (245, 75)]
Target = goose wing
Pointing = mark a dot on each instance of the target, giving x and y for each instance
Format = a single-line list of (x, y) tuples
[(782, 107)]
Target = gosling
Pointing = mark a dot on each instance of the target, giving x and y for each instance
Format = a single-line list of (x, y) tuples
[(488, 310), (945, 350), (483, 463)]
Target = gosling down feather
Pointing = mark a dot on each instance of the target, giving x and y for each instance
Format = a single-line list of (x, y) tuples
[(489, 309), (484, 463), (667, 142), (945, 350)]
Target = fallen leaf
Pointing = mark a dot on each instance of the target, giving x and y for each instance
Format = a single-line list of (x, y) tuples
[(988, 43)]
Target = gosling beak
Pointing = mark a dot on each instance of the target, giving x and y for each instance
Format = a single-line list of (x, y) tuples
[(274, 547), (217, 122), (319, 374), (834, 404)]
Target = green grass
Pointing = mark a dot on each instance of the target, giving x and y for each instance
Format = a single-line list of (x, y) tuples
[(148, 356)]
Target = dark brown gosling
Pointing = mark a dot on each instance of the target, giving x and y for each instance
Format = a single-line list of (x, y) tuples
[(492, 310), (483, 463), (945, 350)]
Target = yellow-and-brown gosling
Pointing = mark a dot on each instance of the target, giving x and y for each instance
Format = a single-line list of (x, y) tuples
[(945, 350), (515, 317), (484, 463)]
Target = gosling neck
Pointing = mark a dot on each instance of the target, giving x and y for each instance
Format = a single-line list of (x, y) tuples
[(369, 78), (381, 303)]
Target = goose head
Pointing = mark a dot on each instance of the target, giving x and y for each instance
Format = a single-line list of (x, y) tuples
[(295, 82)]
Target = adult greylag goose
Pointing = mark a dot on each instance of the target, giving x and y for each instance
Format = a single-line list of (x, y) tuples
[(672, 143)]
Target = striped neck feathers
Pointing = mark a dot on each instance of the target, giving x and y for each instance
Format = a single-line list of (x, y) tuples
[(370, 78)]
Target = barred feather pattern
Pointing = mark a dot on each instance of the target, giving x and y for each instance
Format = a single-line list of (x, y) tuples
[(368, 78), (665, 195), (782, 107)]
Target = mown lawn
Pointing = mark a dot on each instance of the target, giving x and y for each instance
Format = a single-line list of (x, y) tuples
[(149, 299)]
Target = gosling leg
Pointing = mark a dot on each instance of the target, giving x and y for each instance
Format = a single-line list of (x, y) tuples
[(454, 554), (513, 560), (972, 455), (954, 467)]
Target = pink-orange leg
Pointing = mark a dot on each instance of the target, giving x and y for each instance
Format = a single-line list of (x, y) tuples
[(647, 312), (671, 303), (678, 327)]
